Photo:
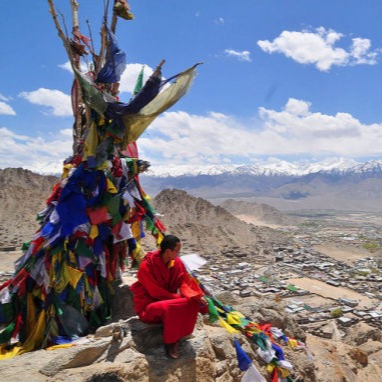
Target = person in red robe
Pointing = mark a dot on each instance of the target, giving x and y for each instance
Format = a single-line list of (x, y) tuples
[(165, 293)]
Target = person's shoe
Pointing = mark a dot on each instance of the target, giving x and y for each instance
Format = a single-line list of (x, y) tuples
[(172, 350)]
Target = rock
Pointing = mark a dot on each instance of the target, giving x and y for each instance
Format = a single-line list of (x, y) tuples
[(359, 356), (360, 333), (245, 293), (122, 303), (371, 347), (137, 354), (227, 298), (270, 311), (76, 357)]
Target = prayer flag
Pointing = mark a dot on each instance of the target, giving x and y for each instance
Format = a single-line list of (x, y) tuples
[(214, 315), (242, 356), (115, 64), (193, 261), (139, 83), (252, 375)]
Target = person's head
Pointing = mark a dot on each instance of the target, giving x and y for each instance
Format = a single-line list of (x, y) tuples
[(170, 247)]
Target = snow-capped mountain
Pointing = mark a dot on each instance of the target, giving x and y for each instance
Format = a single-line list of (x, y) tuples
[(275, 167), (330, 184)]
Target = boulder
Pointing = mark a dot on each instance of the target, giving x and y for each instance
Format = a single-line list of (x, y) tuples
[(360, 333)]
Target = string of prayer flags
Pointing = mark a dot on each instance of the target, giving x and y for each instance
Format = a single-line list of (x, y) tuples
[(264, 336)]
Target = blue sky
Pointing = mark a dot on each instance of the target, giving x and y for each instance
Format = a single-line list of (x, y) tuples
[(291, 80)]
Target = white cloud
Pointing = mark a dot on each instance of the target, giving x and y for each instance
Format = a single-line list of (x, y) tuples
[(219, 20), (293, 131), (3, 98), (318, 48), (241, 56), (180, 138), (38, 154), (130, 75), (5, 109), (128, 78), (56, 102), (360, 52), (68, 67)]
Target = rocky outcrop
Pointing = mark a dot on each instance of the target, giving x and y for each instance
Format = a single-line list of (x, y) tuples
[(137, 354), (361, 333), (22, 196), (129, 350)]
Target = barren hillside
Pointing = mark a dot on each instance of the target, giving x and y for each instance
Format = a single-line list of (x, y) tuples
[(209, 229), (22, 196), (202, 226), (258, 213), (216, 234)]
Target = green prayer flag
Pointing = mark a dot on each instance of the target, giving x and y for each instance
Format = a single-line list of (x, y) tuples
[(6, 333), (91, 96), (113, 209), (139, 82), (82, 249), (214, 315), (260, 341)]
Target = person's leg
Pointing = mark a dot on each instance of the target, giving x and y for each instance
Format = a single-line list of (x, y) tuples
[(178, 317)]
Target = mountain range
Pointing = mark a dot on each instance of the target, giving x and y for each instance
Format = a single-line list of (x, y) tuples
[(341, 185), (206, 228)]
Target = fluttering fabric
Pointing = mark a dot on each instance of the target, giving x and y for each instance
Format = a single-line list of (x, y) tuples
[(126, 122), (115, 64), (139, 83), (242, 356), (96, 215), (94, 220), (266, 337), (64, 283)]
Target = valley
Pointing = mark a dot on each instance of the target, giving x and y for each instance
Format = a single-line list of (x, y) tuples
[(322, 268)]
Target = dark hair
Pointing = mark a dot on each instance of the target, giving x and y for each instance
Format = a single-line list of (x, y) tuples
[(169, 242)]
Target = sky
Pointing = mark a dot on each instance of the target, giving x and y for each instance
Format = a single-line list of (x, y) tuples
[(281, 80)]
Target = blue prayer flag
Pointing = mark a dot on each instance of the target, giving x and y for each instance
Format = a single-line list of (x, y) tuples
[(115, 63), (242, 357)]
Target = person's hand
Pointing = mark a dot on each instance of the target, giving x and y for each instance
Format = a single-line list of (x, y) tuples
[(203, 300)]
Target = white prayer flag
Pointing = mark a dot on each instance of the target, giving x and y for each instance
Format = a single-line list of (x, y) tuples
[(193, 261), (252, 375)]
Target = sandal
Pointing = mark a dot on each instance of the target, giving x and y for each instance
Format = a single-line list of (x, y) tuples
[(172, 350)]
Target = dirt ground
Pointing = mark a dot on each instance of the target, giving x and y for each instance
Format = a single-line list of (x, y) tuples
[(342, 252), (7, 260), (328, 291), (250, 219)]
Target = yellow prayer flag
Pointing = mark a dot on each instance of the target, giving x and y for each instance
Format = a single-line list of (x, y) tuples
[(91, 142), (66, 169), (228, 327), (31, 313), (74, 276), (270, 367), (6, 354), (93, 231), (233, 318), (62, 346), (103, 166), (292, 343), (110, 187), (36, 337), (136, 229)]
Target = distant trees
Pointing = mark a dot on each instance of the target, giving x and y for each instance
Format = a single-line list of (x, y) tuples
[(336, 313)]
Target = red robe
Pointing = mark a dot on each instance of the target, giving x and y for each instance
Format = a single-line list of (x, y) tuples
[(166, 295)]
